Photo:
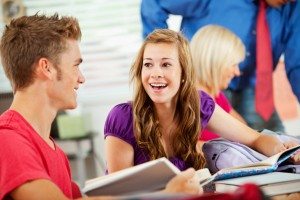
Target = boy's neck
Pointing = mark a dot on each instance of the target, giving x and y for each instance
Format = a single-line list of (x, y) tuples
[(36, 110)]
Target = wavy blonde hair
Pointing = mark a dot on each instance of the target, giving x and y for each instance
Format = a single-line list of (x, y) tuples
[(187, 114), (215, 48)]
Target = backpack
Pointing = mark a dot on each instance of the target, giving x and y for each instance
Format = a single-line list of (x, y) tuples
[(221, 153)]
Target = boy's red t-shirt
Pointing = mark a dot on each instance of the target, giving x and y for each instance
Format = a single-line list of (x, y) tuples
[(25, 156)]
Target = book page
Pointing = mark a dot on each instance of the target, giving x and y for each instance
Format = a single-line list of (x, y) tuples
[(131, 170), (141, 178), (279, 157), (204, 176), (265, 166), (109, 176)]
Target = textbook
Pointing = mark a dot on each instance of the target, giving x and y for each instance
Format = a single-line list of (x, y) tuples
[(262, 167), (144, 178), (274, 183)]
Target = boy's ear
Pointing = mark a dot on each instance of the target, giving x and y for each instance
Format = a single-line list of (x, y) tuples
[(45, 68)]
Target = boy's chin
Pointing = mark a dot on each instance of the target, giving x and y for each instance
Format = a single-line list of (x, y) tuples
[(71, 106)]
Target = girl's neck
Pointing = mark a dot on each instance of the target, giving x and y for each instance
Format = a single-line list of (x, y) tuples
[(165, 114)]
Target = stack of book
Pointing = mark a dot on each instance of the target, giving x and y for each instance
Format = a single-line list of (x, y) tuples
[(262, 174), (154, 175), (274, 183)]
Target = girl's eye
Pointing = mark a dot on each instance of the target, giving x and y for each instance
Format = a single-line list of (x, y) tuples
[(147, 65), (166, 65)]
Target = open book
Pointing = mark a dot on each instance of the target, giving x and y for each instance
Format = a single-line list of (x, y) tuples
[(144, 178), (147, 177), (269, 165)]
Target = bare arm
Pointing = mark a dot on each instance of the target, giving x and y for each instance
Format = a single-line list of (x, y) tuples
[(292, 196), (236, 115), (232, 129), (38, 189), (46, 190), (119, 154)]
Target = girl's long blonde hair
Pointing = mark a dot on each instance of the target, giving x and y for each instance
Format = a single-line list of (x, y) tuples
[(187, 114)]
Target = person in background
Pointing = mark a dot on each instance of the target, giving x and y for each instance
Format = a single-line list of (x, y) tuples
[(167, 112), (41, 58), (216, 54), (283, 18)]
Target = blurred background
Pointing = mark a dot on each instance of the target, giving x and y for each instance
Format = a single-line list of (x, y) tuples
[(111, 36)]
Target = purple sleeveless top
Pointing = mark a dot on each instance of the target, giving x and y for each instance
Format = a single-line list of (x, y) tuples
[(119, 123)]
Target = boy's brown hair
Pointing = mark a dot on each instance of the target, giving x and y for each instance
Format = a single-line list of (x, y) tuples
[(27, 39)]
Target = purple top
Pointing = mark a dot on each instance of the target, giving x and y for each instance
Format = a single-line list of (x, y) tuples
[(119, 123)]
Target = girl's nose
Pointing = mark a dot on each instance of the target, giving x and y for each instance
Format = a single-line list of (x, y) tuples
[(157, 73), (157, 76), (237, 71)]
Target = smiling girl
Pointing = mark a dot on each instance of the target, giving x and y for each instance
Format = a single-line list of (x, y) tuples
[(167, 112)]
